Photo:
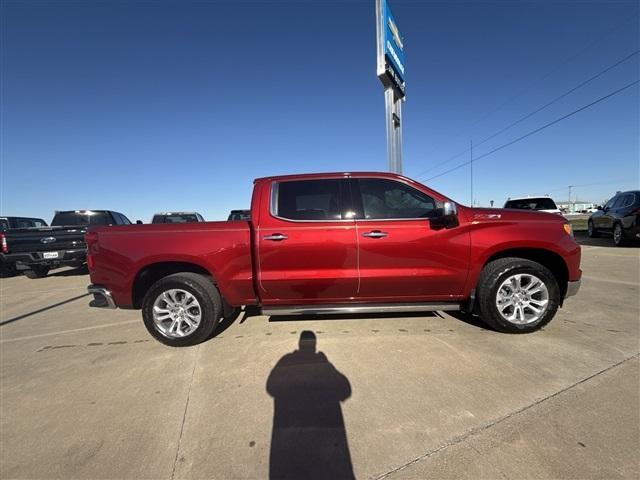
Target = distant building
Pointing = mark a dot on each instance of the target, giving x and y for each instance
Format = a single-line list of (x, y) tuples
[(575, 206)]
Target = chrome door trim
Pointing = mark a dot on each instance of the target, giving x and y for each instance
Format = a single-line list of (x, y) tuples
[(359, 308)]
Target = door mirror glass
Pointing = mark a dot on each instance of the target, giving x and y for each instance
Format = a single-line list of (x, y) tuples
[(450, 209), (447, 218)]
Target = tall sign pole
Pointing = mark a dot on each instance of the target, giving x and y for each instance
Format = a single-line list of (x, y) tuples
[(390, 70)]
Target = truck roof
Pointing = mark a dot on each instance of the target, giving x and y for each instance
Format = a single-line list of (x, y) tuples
[(301, 176)]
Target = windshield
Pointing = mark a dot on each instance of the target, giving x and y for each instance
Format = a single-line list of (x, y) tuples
[(81, 218), (542, 203)]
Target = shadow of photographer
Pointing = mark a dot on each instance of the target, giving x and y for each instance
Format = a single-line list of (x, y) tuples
[(308, 439)]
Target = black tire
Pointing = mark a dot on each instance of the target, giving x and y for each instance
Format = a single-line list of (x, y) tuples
[(8, 270), (492, 277), (36, 271), (591, 230), (207, 296), (619, 237)]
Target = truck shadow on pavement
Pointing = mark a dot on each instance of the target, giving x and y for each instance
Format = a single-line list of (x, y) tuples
[(308, 438), (43, 309)]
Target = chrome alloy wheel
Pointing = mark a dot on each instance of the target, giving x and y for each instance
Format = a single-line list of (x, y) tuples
[(522, 299), (176, 313)]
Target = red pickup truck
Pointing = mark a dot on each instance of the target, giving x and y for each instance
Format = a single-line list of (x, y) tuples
[(333, 243)]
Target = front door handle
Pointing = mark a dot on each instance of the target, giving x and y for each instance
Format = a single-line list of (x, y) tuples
[(375, 234), (276, 237)]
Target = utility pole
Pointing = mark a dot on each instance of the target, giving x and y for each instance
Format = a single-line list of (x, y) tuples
[(569, 201), (471, 165)]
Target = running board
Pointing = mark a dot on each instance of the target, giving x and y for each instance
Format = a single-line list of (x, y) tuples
[(359, 308)]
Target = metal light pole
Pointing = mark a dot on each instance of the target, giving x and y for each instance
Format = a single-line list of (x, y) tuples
[(393, 122)]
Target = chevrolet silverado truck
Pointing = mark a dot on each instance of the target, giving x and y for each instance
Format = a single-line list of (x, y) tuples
[(37, 250), (334, 243)]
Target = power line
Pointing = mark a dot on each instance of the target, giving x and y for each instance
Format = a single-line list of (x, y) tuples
[(539, 129), (539, 109), (558, 67)]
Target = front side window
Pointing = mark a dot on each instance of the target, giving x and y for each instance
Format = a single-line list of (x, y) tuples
[(307, 200), (388, 199)]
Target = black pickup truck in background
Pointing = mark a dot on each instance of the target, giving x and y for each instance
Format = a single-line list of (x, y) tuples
[(62, 244), (8, 269)]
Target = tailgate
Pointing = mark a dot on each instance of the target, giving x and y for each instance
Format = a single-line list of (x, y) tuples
[(45, 239)]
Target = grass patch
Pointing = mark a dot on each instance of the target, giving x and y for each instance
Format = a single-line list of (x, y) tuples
[(578, 224)]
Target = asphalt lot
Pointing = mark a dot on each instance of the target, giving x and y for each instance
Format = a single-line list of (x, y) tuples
[(87, 393)]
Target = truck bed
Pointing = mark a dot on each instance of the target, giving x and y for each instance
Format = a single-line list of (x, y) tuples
[(223, 249)]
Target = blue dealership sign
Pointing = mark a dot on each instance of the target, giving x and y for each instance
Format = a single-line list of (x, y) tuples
[(390, 48), (393, 46)]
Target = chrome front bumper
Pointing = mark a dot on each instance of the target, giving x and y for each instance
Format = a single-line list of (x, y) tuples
[(572, 288), (102, 297)]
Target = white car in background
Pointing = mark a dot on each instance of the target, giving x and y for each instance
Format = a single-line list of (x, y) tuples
[(540, 204)]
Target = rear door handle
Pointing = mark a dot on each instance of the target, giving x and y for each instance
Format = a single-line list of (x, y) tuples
[(276, 237), (375, 234)]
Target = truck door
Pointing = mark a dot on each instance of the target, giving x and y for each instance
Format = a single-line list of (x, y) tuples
[(307, 250), (401, 256)]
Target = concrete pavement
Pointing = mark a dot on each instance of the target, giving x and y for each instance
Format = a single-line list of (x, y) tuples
[(88, 393)]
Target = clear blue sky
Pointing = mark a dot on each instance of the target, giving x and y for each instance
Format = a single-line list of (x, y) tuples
[(149, 106)]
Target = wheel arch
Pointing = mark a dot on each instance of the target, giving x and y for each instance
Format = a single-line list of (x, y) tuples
[(553, 261), (151, 273)]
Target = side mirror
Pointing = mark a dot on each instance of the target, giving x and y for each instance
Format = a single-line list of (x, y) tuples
[(138, 222), (446, 217), (600, 207)]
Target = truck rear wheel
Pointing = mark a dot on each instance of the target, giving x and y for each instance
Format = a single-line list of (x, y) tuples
[(516, 295), (37, 271), (182, 309)]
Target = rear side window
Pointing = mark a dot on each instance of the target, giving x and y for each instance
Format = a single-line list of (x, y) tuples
[(307, 200), (388, 199), (4, 224), (532, 204), (70, 219)]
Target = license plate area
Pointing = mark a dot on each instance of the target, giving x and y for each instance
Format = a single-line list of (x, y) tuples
[(50, 255)]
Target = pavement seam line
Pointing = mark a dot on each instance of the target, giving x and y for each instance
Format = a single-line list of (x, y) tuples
[(75, 330), (474, 431), (184, 415)]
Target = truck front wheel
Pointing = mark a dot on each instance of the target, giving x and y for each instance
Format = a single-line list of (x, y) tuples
[(182, 309), (516, 295)]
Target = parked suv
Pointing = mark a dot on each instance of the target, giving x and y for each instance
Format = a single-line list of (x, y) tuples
[(62, 244), (540, 204), (177, 217), (619, 217)]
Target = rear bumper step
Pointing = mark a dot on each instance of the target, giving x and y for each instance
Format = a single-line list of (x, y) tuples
[(359, 308), (102, 297)]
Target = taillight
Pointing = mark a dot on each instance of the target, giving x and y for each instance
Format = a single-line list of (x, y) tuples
[(5, 247), (91, 239)]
